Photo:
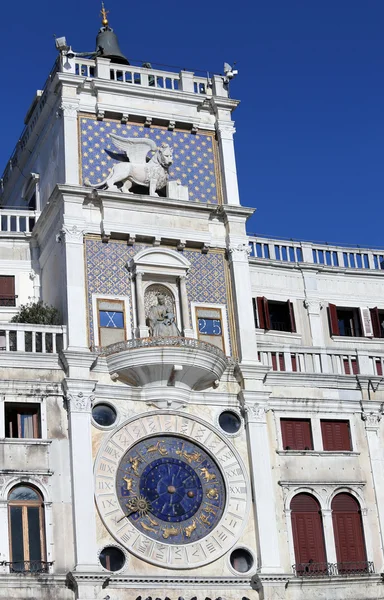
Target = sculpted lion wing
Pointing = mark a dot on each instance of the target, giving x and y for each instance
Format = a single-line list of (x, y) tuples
[(136, 149)]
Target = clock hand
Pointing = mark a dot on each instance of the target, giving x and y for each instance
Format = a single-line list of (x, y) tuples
[(137, 504)]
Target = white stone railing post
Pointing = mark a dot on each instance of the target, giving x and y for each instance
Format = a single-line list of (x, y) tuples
[(186, 81), (103, 68)]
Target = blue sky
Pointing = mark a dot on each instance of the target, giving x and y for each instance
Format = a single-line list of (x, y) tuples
[(310, 128)]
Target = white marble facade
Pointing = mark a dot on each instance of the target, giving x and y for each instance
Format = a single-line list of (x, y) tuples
[(270, 355)]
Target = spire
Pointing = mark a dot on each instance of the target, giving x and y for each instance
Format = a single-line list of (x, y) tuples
[(107, 45)]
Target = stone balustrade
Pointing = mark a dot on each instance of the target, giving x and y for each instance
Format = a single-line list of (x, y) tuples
[(290, 251), (332, 361), (17, 221), (36, 339)]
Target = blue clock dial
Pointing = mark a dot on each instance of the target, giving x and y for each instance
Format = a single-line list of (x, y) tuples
[(171, 489)]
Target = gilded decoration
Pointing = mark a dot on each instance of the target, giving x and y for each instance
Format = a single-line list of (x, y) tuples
[(107, 274), (193, 155)]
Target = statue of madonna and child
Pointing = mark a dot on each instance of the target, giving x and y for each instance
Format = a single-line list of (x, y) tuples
[(161, 320)]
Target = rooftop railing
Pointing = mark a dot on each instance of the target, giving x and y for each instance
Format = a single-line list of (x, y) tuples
[(17, 221), (326, 255)]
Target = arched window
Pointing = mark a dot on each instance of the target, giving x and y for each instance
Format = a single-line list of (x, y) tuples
[(308, 537), (26, 530), (349, 535)]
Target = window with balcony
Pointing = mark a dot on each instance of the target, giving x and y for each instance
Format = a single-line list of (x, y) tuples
[(7, 290), (345, 321), (26, 530), (308, 536), (336, 435), (277, 316), (349, 535), (22, 420), (111, 321), (296, 434)]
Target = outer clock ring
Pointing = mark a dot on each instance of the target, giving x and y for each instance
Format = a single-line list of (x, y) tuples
[(184, 555)]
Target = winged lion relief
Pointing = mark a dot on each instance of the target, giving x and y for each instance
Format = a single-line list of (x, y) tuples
[(152, 174)]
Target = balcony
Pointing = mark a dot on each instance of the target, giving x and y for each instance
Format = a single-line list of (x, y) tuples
[(327, 361), (325, 569), (35, 339), (17, 222), (166, 361), (34, 567)]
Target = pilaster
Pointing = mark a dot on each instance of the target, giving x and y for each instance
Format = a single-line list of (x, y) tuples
[(69, 108), (80, 396), (225, 131), (255, 407), (242, 292)]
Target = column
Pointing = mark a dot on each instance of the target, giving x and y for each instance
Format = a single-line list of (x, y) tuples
[(72, 236), (80, 395), (142, 330), (69, 108), (225, 131), (374, 435), (187, 330), (313, 308), (242, 292), (329, 537), (263, 487)]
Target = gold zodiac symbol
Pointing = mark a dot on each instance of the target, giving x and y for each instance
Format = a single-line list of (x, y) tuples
[(168, 531), (188, 530), (152, 521), (135, 461), (204, 519), (209, 510), (129, 483), (157, 448), (212, 494), (190, 457), (207, 475), (147, 528)]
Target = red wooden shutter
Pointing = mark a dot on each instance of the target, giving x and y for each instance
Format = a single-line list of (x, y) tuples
[(262, 309), (254, 310), (296, 434), (307, 527), (7, 287), (292, 317), (349, 535), (333, 321), (375, 322), (336, 435)]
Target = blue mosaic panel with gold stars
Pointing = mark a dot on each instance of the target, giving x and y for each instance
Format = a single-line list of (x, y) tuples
[(107, 274), (193, 154), (171, 489)]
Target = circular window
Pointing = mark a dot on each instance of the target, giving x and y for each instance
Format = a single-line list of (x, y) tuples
[(241, 560), (112, 558), (104, 415), (229, 421)]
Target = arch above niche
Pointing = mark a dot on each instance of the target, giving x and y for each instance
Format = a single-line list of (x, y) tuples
[(161, 266), (159, 261)]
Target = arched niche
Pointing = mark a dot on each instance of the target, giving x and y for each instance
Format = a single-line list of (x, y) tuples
[(168, 270)]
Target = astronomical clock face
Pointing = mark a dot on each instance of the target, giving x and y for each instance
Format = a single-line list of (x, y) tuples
[(171, 490)]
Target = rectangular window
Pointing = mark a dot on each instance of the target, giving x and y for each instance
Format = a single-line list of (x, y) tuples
[(377, 318), (336, 435), (7, 290), (296, 434), (278, 316), (22, 420), (210, 326), (111, 322), (344, 321)]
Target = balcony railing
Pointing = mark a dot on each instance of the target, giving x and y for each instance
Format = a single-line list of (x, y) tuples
[(17, 221), (332, 361), (325, 569), (291, 251), (8, 300), (28, 566), (175, 342), (23, 337)]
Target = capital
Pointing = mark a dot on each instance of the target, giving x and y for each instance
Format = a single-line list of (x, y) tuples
[(239, 251), (79, 395)]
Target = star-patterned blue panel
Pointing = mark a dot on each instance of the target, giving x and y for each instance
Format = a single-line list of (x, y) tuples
[(193, 155), (107, 274)]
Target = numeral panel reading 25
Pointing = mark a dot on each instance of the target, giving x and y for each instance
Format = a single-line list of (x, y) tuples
[(209, 323)]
